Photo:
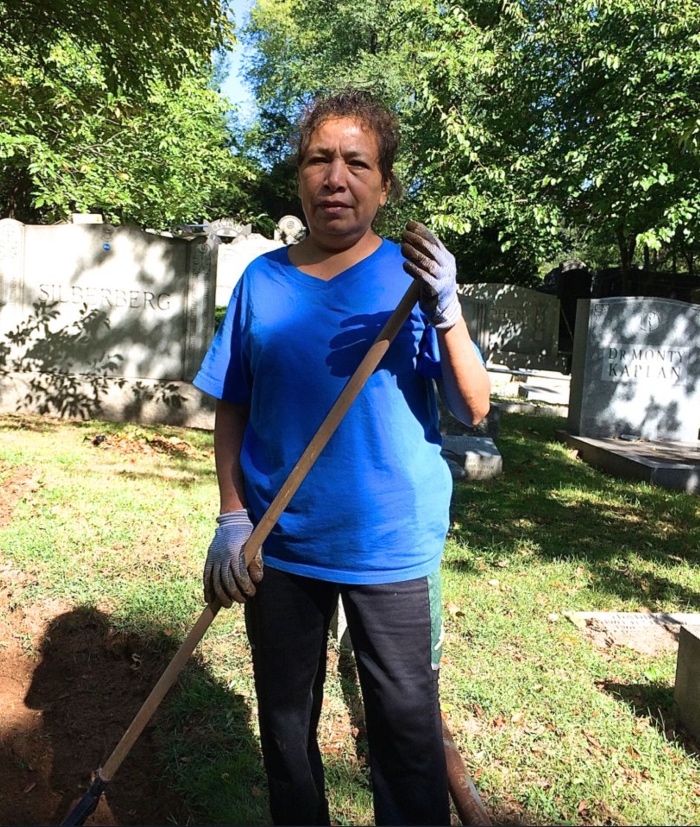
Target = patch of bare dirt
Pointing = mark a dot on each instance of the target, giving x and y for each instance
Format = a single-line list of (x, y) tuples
[(153, 444), (13, 488), (69, 688)]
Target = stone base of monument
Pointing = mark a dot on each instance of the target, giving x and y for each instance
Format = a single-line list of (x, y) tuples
[(687, 688), (472, 457), (531, 408), (339, 627), (549, 387), (75, 396), (674, 465)]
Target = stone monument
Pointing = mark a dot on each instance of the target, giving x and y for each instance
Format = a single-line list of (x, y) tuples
[(234, 257), (104, 321), (636, 369), (514, 327)]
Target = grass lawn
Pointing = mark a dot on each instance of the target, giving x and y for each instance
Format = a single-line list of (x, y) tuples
[(116, 519)]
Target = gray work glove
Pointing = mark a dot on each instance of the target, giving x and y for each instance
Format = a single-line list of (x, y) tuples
[(225, 573), (434, 266)]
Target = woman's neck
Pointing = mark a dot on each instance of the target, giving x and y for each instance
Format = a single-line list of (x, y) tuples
[(324, 262)]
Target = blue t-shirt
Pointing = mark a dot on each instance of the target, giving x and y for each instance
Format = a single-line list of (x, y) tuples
[(374, 508)]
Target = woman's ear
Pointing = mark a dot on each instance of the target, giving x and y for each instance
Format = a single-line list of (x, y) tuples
[(386, 189)]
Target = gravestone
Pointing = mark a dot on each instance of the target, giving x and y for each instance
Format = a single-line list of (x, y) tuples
[(636, 369), (646, 632), (687, 686), (104, 321), (472, 457), (290, 230), (234, 257), (514, 327)]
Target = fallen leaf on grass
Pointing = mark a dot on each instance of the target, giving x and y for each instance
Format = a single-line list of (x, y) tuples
[(499, 722), (454, 610), (470, 726), (633, 753), (537, 729), (592, 740)]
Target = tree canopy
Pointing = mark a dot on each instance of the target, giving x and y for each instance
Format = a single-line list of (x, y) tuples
[(531, 127), (121, 118), (133, 41)]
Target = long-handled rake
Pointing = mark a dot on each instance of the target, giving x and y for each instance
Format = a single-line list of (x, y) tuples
[(470, 804)]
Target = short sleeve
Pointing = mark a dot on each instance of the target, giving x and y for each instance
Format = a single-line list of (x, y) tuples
[(428, 359), (225, 370)]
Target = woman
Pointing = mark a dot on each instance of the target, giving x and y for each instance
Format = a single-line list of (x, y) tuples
[(369, 521)]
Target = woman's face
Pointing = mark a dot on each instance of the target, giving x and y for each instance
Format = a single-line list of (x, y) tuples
[(340, 183)]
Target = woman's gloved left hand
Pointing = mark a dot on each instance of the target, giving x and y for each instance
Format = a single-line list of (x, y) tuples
[(434, 266)]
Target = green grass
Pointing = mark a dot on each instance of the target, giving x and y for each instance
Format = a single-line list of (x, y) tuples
[(554, 730)]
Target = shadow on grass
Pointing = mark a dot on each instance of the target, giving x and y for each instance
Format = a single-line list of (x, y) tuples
[(557, 507), (350, 686), (196, 759), (654, 701), (37, 424)]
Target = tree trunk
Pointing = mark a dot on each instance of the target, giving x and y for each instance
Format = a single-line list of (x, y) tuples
[(626, 245)]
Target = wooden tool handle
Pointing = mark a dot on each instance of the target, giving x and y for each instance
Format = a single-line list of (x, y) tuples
[(152, 702), (354, 385)]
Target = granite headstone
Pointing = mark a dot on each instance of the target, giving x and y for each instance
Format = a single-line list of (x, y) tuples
[(514, 327), (636, 369), (104, 321)]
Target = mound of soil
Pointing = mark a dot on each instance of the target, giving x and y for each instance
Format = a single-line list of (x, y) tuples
[(69, 689)]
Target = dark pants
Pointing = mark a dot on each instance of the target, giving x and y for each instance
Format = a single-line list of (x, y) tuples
[(390, 628)]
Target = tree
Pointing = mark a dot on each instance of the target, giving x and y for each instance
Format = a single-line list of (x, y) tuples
[(134, 42), (529, 125), (590, 118), (617, 115), (157, 153), (422, 60)]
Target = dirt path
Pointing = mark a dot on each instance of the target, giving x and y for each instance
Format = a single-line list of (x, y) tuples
[(69, 687)]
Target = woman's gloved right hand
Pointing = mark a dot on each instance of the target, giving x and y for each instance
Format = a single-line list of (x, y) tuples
[(226, 575)]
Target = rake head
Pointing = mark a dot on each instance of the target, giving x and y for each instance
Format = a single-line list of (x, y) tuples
[(87, 804)]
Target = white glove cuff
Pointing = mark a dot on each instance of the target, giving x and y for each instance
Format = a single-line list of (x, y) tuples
[(237, 517)]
